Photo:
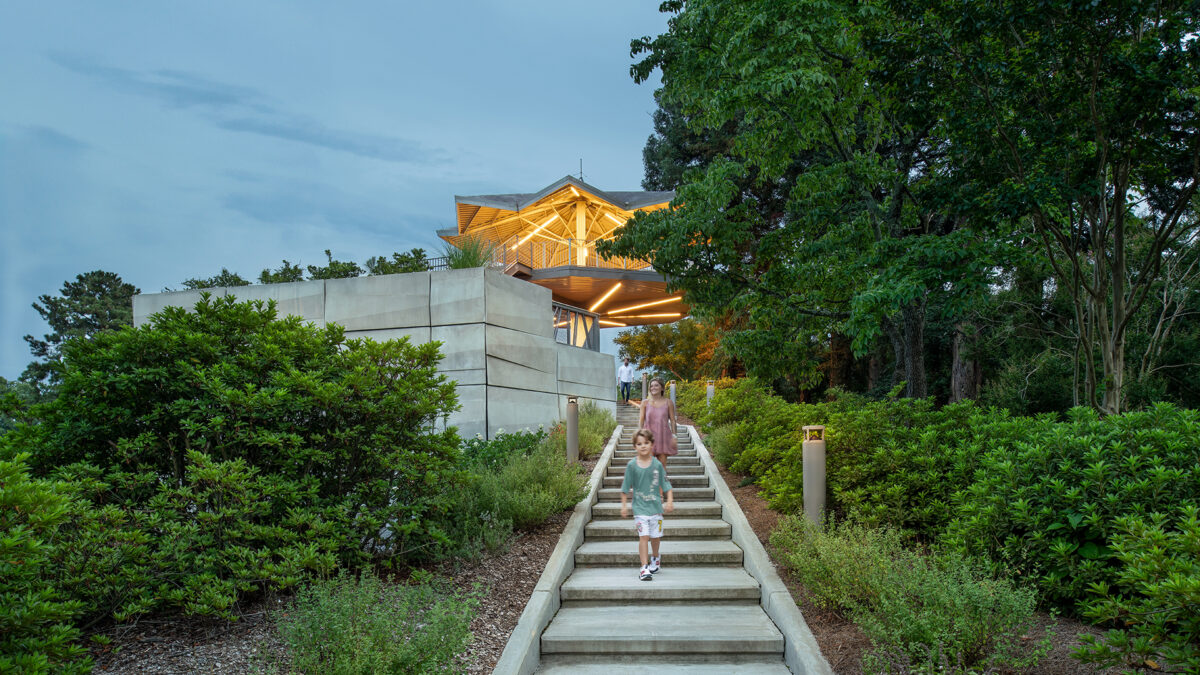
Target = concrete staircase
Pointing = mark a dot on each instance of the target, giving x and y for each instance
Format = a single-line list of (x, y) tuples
[(700, 614)]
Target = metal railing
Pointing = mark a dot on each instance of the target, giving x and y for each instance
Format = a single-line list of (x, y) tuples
[(576, 327), (541, 253)]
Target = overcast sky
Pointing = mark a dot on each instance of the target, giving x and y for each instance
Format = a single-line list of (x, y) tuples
[(164, 141)]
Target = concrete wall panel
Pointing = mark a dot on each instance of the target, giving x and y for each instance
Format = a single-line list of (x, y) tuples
[(472, 418), (519, 305), (586, 367), (305, 299), (516, 409), (385, 301), (456, 297), (149, 303), (417, 335), (508, 374), (462, 377), (462, 346)]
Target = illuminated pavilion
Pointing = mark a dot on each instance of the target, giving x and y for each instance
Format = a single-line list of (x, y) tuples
[(548, 238)]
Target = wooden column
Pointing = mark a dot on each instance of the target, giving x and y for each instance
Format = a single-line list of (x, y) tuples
[(581, 232)]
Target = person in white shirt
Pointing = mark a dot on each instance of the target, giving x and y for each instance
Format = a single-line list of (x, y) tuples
[(625, 379)]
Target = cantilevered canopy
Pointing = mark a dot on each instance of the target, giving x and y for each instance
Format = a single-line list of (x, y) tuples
[(548, 238)]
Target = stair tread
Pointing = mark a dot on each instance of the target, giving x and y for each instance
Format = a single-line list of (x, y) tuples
[(642, 628), (621, 584)]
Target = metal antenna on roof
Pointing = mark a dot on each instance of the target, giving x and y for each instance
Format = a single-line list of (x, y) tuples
[(580, 168)]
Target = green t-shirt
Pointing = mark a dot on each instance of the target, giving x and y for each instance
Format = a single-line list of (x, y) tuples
[(645, 486)]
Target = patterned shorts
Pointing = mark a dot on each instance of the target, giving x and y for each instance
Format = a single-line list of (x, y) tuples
[(651, 526)]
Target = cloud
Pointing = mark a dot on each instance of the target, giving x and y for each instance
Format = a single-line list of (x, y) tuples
[(245, 110), (313, 133)]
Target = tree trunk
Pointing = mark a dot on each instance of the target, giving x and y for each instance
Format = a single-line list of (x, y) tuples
[(841, 358), (914, 349), (898, 356), (965, 374)]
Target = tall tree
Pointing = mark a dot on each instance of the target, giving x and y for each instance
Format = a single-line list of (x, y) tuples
[(96, 301), (865, 238), (225, 278), (687, 349), (1083, 117)]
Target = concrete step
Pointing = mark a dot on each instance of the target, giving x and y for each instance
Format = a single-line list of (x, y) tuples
[(685, 457), (669, 664), (676, 481), (612, 552), (642, 629), (689, 528), (618, 469), (621, 584), (682, 494), (683, 509)]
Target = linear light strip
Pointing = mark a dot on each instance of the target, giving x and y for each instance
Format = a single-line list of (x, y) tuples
[(605, 297), (647, 316), (646, 304), (606, 322)]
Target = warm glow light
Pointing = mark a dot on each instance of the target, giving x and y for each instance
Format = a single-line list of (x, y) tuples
[(606, 322), (574, 192), (614, 218), (646, 304), (649, 316), (538, 229), (560, 324), (604, 297)]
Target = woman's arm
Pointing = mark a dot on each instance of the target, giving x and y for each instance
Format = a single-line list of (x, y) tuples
[(642, 414), (671, 412)]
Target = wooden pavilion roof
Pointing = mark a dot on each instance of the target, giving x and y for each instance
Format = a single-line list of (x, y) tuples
[(548, 238)]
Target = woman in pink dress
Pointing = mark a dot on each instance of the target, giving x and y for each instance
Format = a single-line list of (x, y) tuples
[(658, 415)]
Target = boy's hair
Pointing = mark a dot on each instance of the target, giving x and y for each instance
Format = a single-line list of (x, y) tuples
[(644, 433)]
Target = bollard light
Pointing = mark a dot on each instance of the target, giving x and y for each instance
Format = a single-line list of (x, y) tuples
[(710, 390), (672, 386), (813, 456), (572, 428)]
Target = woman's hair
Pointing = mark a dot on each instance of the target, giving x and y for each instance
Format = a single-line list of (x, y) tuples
[(644, 433), (661, 385)]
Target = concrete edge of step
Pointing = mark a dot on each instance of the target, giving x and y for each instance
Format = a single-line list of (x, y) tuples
[(522, 652), (801, 652)]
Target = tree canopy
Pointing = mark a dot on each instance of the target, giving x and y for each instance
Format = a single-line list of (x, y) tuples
[(916, 175)]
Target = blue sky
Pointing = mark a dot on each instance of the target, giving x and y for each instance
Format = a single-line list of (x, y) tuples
[(164, 141)]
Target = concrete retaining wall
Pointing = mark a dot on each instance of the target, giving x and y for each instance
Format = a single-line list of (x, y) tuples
[(496, 334)]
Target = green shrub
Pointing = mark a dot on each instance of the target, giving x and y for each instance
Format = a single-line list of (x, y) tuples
[(348, 626), (1048, 505), (1154, 599), (719, 443), (595, 427), (240, 452), (839, 566), (921, 610), (36, 631), (480, 453), (531, 488)]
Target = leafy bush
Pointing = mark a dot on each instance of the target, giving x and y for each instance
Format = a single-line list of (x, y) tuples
[(531, 488), (1154, 599), (924, 610), (233, 452), (483, 454), (691, 396), (469, 252), (345, 625), (1048, 505), (36, 635), (595, 427)]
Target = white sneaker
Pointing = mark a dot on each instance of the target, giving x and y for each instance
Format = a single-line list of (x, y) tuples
[(655, 565), (645, 574)]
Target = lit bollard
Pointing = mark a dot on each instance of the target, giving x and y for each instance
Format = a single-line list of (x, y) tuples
[(672, 385), (710, 391), (645, 386), (814, 474), (572, 428)]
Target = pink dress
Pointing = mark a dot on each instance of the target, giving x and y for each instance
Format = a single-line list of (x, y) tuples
[(658, 422)]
